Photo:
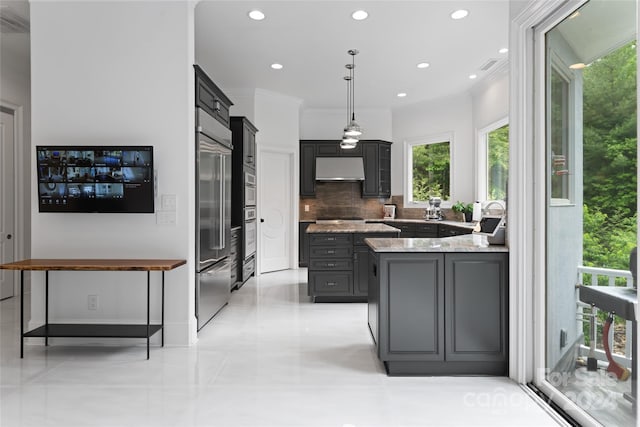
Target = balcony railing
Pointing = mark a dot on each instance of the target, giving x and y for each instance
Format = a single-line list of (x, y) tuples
[(611, 277)]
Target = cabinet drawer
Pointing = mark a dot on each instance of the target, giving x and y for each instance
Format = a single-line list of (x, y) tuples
[(330, 283), (427, 228), (358, 238), (248, 268), (331, 264), (404, 227), (330, 239), (330, 252)]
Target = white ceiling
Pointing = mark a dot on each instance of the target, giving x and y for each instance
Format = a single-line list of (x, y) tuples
[(311, 39)]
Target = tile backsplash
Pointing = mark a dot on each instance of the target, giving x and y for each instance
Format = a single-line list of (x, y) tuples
[(344, 199)]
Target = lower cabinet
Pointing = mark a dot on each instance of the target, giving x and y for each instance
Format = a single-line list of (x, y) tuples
[(338, 266), (303, 244), (439, 314), (234, 257)]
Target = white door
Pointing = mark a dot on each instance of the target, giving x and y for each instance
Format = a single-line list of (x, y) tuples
[(7, 187), (275, 210)]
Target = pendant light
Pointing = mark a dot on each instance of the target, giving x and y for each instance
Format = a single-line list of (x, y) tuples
[(352, 130)]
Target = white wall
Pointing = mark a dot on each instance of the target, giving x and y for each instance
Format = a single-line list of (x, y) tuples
[(15, 91), (329, 123), (93, 83), (448, 115), (490, 99), (244, 103)]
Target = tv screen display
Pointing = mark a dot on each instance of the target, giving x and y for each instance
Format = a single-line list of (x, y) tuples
[(113, 179)]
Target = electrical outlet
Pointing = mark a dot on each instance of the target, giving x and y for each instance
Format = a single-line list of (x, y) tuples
[(92, 302), (306, 208)]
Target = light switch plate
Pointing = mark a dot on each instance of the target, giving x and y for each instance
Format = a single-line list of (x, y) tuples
[(168, 202), (166, 217)]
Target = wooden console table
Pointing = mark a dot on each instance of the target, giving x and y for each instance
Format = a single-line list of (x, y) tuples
[(91, 330)]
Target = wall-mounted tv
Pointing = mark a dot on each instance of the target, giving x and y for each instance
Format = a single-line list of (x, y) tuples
[(110, 179)]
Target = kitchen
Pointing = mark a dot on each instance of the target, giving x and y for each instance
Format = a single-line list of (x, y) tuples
[(281, 118)]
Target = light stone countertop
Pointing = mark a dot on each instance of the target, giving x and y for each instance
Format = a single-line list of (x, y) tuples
[(460, 224), (466, 243), (351, 228)]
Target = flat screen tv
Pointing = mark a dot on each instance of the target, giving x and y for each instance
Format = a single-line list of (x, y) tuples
[(109, 179)]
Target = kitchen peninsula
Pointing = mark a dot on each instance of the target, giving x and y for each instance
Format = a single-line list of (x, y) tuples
[(438, 306), (338, 259)]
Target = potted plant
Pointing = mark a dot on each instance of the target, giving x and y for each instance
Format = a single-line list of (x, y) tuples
[(466, 209)]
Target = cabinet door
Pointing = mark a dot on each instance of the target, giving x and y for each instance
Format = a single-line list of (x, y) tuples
[(328, 149), (307, 170), (249, 147), (303, 244), (384, 166), (412, 289), (361, 270), (370, 156), (476, 306)]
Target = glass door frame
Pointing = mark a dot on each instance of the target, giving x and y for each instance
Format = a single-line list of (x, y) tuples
[(528, 277)]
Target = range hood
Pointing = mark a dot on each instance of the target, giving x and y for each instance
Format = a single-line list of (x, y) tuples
[(339, 169)]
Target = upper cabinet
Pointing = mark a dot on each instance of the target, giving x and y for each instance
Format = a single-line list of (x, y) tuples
[(376, 155), (210, 98)]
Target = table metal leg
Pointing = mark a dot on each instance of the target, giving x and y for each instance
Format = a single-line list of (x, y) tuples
[(21, 314), (148, 328), (162, 309), (46, 307)]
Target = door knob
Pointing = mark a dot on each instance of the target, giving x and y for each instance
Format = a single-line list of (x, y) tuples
[(9, 236), (261, 219)]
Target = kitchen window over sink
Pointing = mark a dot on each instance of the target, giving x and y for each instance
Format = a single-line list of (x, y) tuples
[(493, 161), (428, 169)]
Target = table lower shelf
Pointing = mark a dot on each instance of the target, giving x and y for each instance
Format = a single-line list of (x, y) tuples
[(91, 330)]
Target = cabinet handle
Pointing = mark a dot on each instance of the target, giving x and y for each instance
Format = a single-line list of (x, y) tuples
[(331, 264), (331, 239), (332, 284), (331, 252), (216, 106)]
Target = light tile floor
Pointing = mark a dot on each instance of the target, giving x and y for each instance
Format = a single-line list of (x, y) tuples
[(270, 358)]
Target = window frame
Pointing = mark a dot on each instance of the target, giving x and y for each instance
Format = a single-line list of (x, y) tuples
[(482, 157), (407, 174)]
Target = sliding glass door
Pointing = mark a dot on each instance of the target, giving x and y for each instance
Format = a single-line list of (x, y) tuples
[(591, 151)]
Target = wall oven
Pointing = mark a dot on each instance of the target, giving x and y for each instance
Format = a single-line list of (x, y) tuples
[(249, 189), (250, 232)]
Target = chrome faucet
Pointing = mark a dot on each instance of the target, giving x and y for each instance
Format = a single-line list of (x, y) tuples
[(485, 210)]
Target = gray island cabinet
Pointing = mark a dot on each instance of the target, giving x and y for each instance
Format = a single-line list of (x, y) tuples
[(438, 306), (339, 260)]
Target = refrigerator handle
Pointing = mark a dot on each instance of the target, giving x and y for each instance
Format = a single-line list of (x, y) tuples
[(223, 196)]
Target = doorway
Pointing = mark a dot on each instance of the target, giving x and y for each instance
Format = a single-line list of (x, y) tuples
[(587, 137), (7, 199), (275, 209)]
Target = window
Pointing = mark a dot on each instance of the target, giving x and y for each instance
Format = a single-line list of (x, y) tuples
[(428, 169), (493, 161), (559, 137)]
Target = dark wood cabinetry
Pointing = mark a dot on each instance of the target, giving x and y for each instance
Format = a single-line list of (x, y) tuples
[(234, 256), (210, 98), (377, 169), (303, 244), (243, 193), (439, 314), (376, 156), (339, 266)]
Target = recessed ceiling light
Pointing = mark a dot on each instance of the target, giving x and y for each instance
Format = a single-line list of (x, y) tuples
[(256, 15), (402, 95), (359, 15), (503, 50), (473, 76), (577, 66), (276, 66), (575, 14), (423, 65), (459, 14)]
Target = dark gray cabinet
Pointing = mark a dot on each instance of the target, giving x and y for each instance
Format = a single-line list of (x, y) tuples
[(210, 98), (413, 229), (307, 169), (377, 169), (476, 307), (439, 314), (339, 266), (303, 244), (448, 230), (234, 256), (376, 157)]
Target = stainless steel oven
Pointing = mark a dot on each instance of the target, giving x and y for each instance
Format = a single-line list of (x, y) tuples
[(249, 189), (250, 232)]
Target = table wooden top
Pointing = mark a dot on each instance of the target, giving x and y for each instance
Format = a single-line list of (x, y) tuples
[(95, 264)]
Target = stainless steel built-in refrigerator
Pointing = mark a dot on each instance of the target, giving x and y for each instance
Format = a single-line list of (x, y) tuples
[(213, 217)]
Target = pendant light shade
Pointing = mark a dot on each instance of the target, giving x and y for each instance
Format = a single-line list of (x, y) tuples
[(352, 130)]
